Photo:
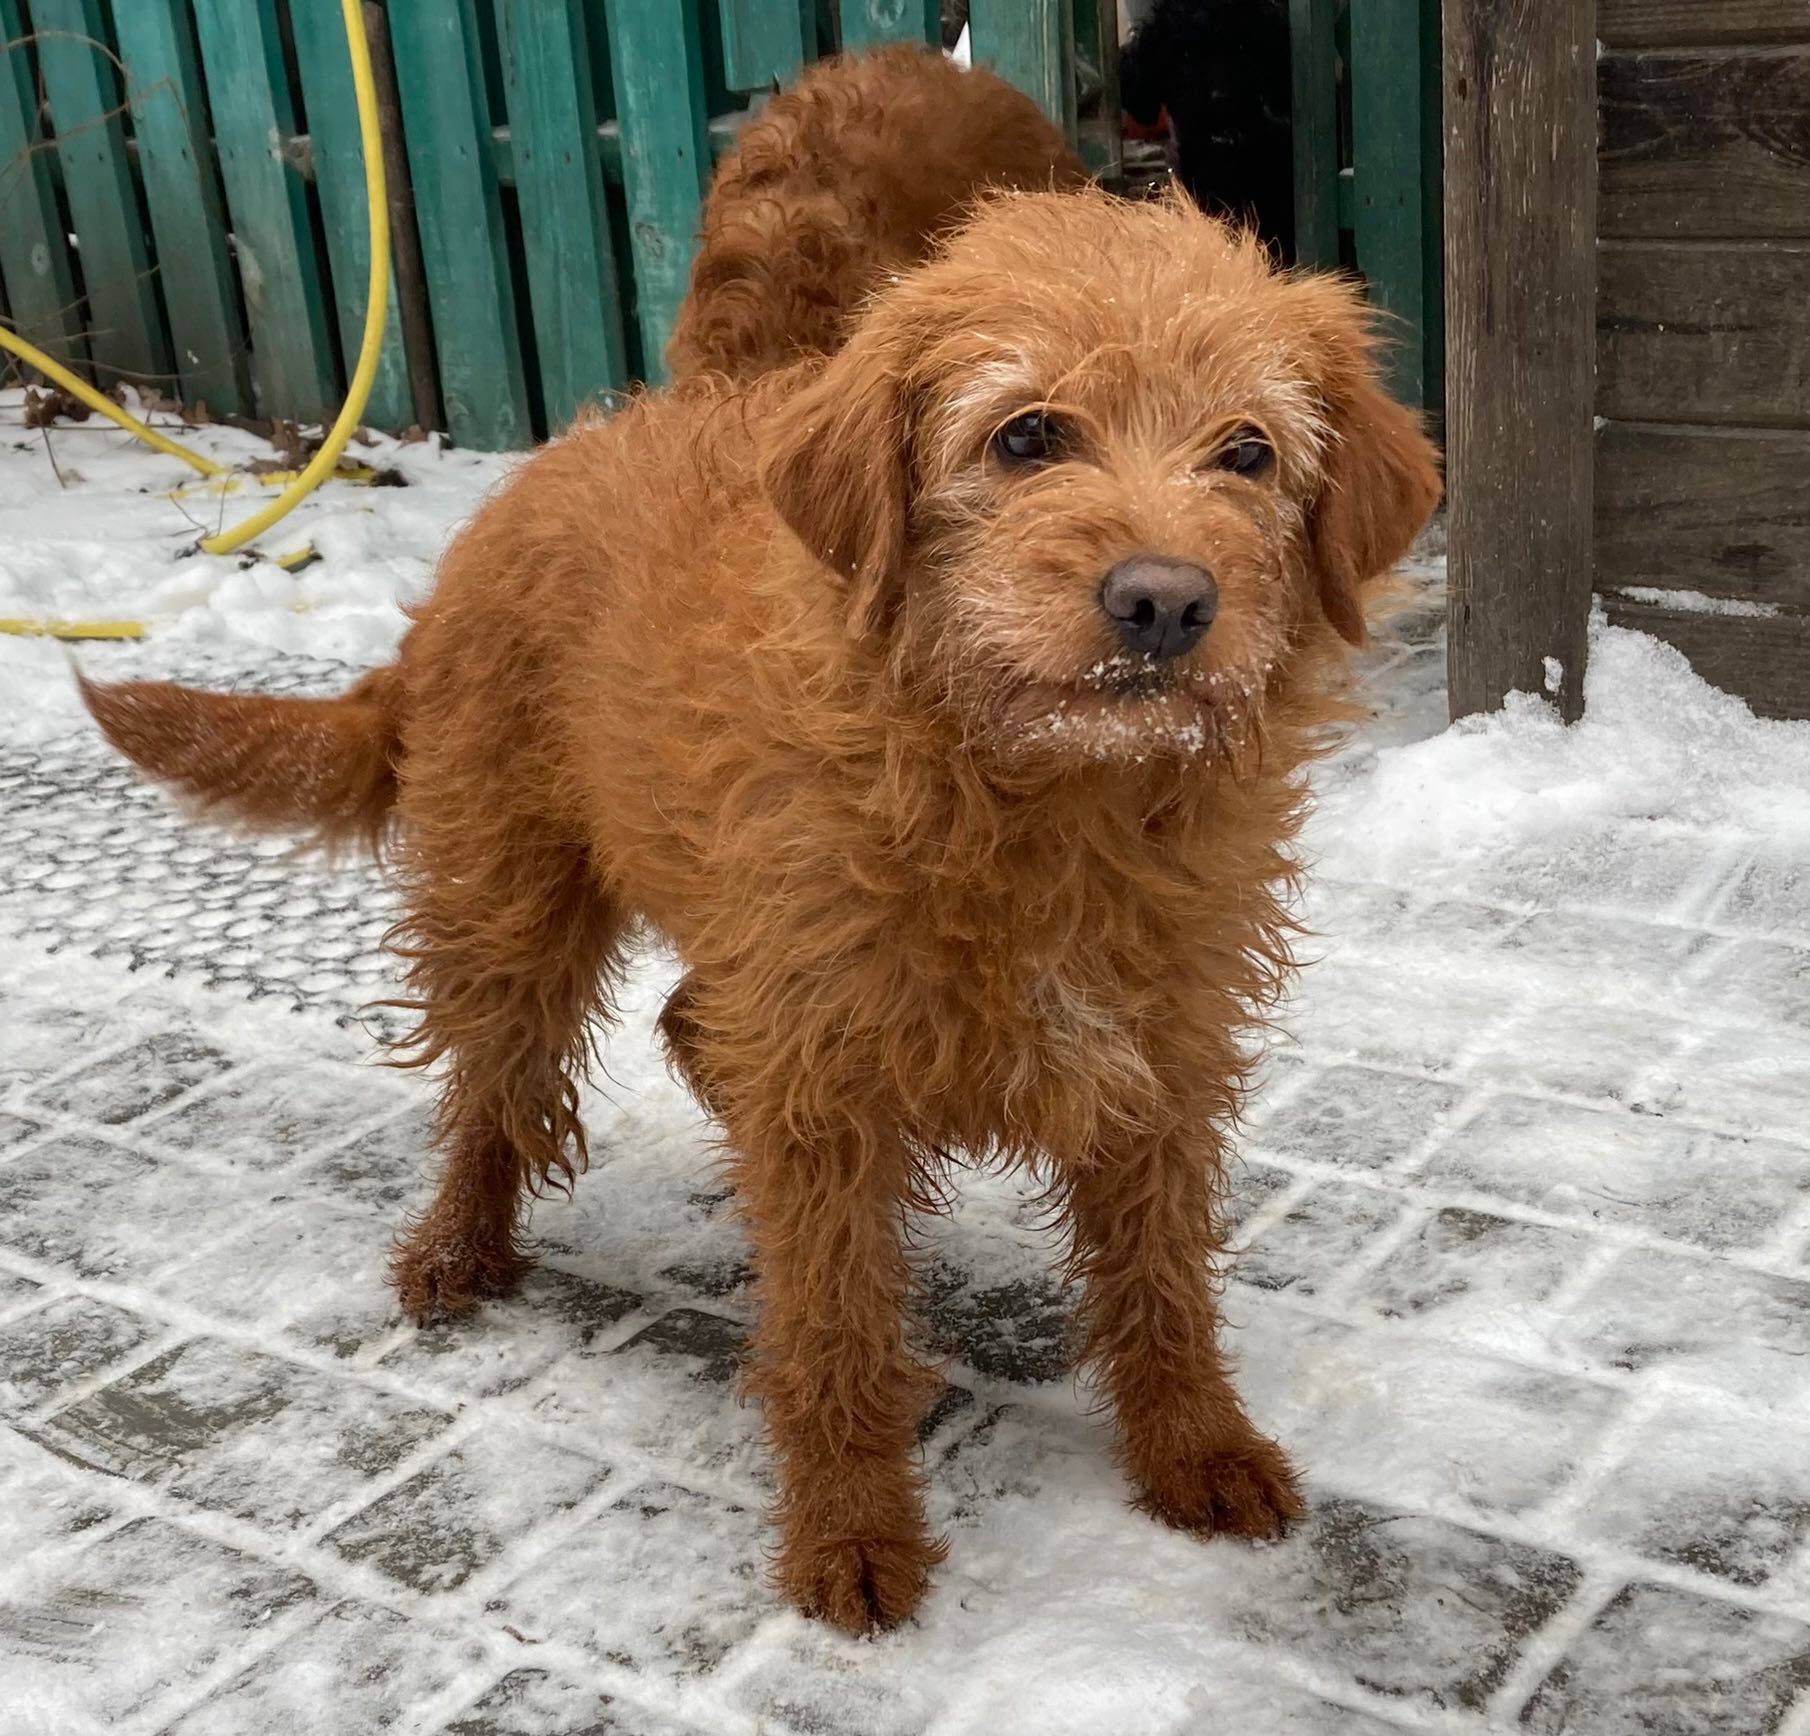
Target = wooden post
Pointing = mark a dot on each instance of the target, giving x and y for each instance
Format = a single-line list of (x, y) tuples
[(1520, 211)]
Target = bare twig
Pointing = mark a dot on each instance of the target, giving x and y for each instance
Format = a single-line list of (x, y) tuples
[(50, 452)]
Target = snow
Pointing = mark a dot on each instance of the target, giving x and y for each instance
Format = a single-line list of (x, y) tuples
[(1524, 1274), (1697, 603), (89, 530), (1658, 757)]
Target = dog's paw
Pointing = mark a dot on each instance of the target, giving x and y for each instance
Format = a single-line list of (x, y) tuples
[(438, 1278), (861, 1585), (1250, 1491)]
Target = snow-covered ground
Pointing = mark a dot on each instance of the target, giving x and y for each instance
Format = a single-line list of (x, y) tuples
[(1525, 1211)]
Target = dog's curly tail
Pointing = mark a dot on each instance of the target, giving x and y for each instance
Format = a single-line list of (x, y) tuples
[(325, 766)]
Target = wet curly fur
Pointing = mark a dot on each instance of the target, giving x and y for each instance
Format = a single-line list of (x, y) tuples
[(805, 675), (845, 178)]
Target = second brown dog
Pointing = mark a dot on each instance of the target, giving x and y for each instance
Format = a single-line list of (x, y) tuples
[(846, 177)]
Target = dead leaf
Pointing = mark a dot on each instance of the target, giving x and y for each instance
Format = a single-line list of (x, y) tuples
[(45, 407), (289, 441)]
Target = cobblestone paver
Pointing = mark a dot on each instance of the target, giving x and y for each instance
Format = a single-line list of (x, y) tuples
[(1525, 1283)]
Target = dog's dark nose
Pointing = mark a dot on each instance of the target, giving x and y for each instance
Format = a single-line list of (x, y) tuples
[(1160, 607)]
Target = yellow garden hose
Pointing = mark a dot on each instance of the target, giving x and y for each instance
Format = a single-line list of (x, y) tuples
[(364, 374), (31, 629), (370, 351), (77, 387)]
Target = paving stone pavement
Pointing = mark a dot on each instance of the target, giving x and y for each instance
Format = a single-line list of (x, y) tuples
[(1525, 1282)]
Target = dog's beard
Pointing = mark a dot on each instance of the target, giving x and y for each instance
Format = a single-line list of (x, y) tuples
[(1124, 710), (1007, 673)]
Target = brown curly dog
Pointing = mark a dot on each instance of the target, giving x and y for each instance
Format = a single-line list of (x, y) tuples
[(846, 178), (945, 703)]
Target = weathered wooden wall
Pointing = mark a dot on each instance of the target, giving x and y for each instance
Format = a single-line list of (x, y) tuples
[(1702, 457), (1659, 193)]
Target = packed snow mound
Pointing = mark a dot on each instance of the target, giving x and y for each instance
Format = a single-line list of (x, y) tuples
[(1657, 746)]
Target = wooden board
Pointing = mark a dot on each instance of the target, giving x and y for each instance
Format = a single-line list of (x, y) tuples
[(1316, 131), (1724, 511), (1701, 23), (572, 289), (285, 299), (1099, 135), (867, 23), (1520, 216), (1763, 659), (1715, 333), (463, 244), (34, 257), (1029, 43), (182, 196), (1387, 218), (405, 233), (125, 329), (1706, 145), (325, 64), (657, 64), (766, 42)]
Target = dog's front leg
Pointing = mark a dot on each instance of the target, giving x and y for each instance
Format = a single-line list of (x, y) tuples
[(1145, 1242), (842, 1393)]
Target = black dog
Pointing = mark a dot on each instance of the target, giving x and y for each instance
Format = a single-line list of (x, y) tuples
[(1222, 70)]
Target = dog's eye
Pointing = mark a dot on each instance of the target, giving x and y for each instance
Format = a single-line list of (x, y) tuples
[(1036, 437), (1248, 454)]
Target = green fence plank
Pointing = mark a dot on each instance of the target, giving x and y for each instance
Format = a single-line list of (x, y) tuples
[(868, 23), (766, 42), (1432, 207), (447, 119), (285, 302), (1312, 31), (559, 181), (721, 136), (1030, 43), (325, 63), (657, 65), (175, 160), (34, 255), (1388, 224), (1099, 127), (81, 81)]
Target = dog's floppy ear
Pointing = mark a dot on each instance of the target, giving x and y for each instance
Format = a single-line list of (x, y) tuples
[(1380, 480), (836, 464)]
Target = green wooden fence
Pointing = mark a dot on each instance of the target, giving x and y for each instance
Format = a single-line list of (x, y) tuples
[(551, 157)]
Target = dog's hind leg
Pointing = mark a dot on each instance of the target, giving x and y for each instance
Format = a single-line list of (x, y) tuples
[(1146, 1241), (512, 946)]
